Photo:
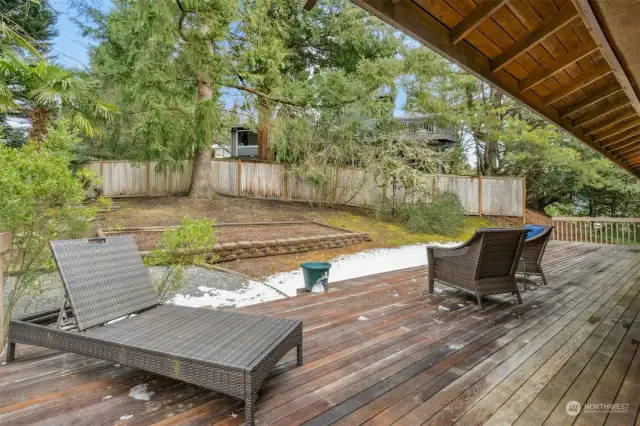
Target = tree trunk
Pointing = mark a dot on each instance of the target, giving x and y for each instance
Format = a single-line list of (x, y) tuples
[(39, 120), (201, 178), (264, 127)]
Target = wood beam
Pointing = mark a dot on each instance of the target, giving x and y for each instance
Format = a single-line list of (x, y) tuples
[(308, 4), (632, 124), (598, 96), (593, 26), (622, 140), (475, 19), (633, 162), (559, 64), (621, 103), (632, 148), (564, 16), (608, 123), (576, 84), (412, 20), (633, 158), (627, 143)]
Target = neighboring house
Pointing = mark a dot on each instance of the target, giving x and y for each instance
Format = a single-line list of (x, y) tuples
[(244, 141)]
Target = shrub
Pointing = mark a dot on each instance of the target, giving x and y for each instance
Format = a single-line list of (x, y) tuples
[(178, 247), (40, 201), (444, 216), (384, 209)]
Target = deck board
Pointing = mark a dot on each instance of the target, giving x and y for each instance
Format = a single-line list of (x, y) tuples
[(410, 362)]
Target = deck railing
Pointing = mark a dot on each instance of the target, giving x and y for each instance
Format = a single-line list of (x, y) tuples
[(603, 230)]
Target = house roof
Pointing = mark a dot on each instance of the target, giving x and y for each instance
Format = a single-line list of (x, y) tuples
[(574, 62)]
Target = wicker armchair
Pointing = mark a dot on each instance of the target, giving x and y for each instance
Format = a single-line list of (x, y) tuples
[(532, 252), (484, 265)]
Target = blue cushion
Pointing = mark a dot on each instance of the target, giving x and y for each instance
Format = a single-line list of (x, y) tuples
[(534, 230)]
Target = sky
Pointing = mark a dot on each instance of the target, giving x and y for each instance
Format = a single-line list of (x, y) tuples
[(71, 49)]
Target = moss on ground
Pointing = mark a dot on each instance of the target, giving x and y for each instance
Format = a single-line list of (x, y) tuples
[(395, 234)]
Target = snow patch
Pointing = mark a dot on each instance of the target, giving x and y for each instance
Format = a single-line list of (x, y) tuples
[(461, 305), (254, 292), (456, 346), (438, 290), (444, 308), (141, 392), (107, 397), (317, 288), (359, 264), (362, 318), (126, 417)]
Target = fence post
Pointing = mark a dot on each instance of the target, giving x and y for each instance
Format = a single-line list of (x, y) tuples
[(148, 177), (480, 195), (284, 183), (5, 245), (524, 199), (239, 188), (102, 176)]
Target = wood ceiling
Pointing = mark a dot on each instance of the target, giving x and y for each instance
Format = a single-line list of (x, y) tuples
[(556, 56)]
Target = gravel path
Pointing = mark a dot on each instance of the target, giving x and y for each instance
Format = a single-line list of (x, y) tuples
[(52, 294)]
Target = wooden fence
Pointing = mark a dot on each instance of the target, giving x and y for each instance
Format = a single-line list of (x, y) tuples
[(501, 196), (126, 179), (603, 230)]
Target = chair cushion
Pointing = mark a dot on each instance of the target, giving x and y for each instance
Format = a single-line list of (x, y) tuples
[(534, 230)]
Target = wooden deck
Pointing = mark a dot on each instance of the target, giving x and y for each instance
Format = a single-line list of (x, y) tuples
[(380, 351)]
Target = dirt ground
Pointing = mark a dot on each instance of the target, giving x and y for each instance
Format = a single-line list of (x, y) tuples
[(165, 211), (160, 211)]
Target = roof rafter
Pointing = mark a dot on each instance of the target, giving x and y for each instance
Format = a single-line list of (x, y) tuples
[(559, 64), (621, 103), (577, 84), (605, 124), (593, 26), (475, 19), (559, 20), (596, 97), (632, 124)]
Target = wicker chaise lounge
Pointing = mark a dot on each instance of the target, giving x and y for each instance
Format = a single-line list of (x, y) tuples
[(532, 252), (105, 280), (484, 265)]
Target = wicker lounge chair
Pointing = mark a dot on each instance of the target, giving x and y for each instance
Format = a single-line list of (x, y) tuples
[(484, 265), (105, 280), (532, 252)]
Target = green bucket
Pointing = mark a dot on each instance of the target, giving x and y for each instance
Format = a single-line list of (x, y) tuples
[(315, 272)]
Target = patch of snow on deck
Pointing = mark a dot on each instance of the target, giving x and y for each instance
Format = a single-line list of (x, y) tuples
[(358, 265), (253, 293), (141, 392), (342, 268)]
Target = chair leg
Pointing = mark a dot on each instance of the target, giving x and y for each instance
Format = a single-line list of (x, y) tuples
[(299, 353), (518, 296), (430, 283), (544, 280), (11, 351), (249, 408), (479, 298)]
